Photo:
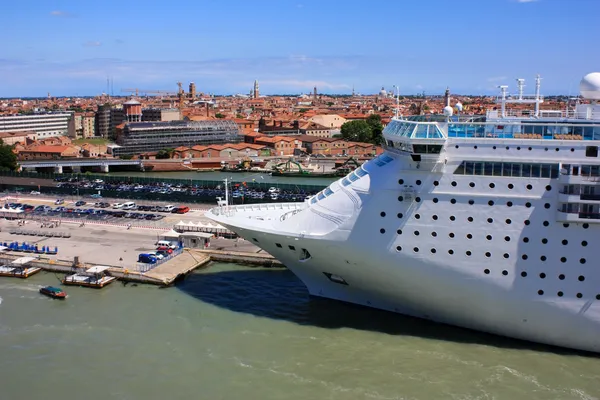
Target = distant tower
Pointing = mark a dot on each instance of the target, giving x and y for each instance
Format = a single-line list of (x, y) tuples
[(315, 93), (352, 90), (192, 90), (256, 91), (447, 97), (133, 111)]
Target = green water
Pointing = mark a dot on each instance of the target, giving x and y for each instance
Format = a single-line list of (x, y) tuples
[(232, 332)]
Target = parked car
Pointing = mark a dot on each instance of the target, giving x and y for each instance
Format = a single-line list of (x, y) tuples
[(158, 254), (59, 201), (80, 203), (34, 192), (181, 210), (166, 249), (96, 196), (117, 205), (168, 208), (147, 258)]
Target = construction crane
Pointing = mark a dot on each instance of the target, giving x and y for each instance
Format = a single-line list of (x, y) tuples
[(147, 92)]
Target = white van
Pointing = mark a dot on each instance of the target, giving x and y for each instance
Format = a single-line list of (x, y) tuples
[(130, 205), (168, 208)]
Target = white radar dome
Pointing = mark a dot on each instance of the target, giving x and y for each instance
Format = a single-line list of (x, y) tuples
[(448, 111), (459, 106), (589, 87)]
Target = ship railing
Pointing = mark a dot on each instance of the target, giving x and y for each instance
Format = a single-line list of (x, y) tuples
[(583, 215), (289, 214), (231, 210)]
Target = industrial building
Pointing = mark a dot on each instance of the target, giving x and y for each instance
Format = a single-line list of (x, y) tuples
[(143, 137), (44, 125)]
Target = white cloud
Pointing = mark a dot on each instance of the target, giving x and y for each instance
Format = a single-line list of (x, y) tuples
[(526, 1), (92, 43), (58, 13)]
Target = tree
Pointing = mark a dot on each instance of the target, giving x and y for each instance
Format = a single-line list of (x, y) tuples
[(162, 154), (219, 115), (374, 122), (8, 159), (356, 131), (329, 103)]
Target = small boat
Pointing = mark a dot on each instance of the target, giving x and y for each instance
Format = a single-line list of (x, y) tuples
[(54, 292)]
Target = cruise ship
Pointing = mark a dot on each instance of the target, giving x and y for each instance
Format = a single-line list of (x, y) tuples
[(486, 222)]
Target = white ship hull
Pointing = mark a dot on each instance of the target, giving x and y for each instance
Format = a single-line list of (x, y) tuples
[(481, 225)]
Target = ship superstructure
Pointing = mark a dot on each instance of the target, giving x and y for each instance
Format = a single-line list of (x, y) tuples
[(485, 222)]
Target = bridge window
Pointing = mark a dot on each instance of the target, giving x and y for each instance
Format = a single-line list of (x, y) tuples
[(591, 151), (521, 170)]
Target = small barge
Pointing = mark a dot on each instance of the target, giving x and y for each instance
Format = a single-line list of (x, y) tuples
[(94, 277), (19, 268)]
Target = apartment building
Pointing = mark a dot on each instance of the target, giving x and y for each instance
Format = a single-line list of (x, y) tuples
[(44, 125)]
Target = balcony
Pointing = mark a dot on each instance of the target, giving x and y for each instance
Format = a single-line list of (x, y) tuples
[(575, 216)]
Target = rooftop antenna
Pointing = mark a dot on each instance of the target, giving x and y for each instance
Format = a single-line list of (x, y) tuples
[(503, 97), (520, 86)]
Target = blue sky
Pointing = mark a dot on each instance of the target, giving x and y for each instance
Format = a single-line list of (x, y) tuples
[(70, 47)]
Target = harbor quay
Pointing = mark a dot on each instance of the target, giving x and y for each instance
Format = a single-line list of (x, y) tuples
[(117, 247)]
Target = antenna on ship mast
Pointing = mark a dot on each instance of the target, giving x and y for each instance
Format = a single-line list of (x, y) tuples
[(538, 81), (503, 103)]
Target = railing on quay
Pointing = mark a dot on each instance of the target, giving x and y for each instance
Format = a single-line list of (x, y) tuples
[(144, 267)]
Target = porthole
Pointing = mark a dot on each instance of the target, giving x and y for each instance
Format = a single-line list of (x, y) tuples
[(563, 259), (488, 254), (492, 185), (547, 205), (540, 292), (598, 297), (469, 236), (435, 183), (418, 182), (523, 274), (450, 251), (505, 272), (527, 222), (490, 220), (400, 198), (470, 219), (382, 214), (489, 237), (525, 239), (494, 147), (453, 201), (416, 233), (528, 205), (382, 230), (581, 278), (559, 294), (542, 275), (416, 249), (586, 225), (398, 248), (543, 258), (435, 200), (518, 147), (433, 251), (452, 218), (544, 240), (456, 146), (546, 223), (255, 239), (565, 225), (548, 188), (418, 199), (579, 295), (400, 215), (524, 256), (471, 202), (508, 221), (509, 204), (491, 203), (556, 149), (399, 231), (572, 149), (507, 147), (434, 234), (472, 184), (434, 217), (400, 181), (545, 149), (507, 238), (486, 271), (511, 186), (565, 242), (584, 243), (561, 277), (468, 253), (529, 187), (453, 183), (529, 148), (417, 216), (475, 147), (278, 245), (506, 255), (451, 234)]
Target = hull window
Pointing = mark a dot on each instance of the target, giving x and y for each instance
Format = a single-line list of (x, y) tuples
[(335, 278), (305, 255)]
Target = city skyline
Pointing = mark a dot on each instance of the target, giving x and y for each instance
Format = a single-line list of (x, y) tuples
[(71, 49)]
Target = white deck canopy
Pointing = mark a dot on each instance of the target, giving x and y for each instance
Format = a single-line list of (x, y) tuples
[(22, 261)]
